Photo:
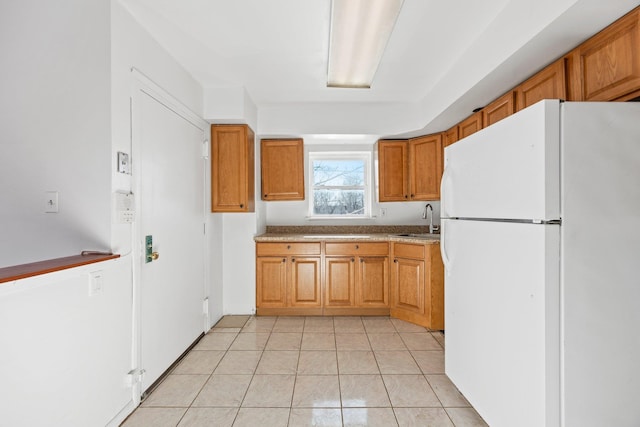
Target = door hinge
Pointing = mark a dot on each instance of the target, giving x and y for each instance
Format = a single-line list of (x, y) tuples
[(134, 376), (205, 312), (205, 149)]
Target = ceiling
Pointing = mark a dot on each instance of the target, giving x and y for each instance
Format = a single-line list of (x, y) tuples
[(444, 58)]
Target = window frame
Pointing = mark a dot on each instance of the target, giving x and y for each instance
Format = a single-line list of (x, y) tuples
[(365, 156)]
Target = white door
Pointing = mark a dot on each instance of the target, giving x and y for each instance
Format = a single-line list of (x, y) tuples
[(171, 182), (502, 322)]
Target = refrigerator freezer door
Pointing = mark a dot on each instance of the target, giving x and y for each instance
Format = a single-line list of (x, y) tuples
[(509, 170), (502, 319)]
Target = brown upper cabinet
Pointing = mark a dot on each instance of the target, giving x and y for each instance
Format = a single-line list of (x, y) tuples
[(282, 165), (425, 167), (450, 136), (470, 125), (606, 67), (393, 171), (499, 109), (550, 83), (232, 168), (608, 64), (410, 169)]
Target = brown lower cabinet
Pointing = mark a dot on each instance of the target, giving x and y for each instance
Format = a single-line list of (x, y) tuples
[(356, 278), (351, 278), (288, 278), (417, 284)]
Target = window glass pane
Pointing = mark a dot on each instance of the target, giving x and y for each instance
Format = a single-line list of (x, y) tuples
[(338, 173), (338, 202)]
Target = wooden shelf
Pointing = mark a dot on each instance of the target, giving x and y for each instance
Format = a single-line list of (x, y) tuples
[(22, 271)]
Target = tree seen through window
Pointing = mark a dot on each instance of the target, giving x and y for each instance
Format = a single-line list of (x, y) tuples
[(339, 186)]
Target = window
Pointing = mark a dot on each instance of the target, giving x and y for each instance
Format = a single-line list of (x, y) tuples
[(339, 185)]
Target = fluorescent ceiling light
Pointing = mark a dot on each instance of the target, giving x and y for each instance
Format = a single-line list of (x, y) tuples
[(360, 30)]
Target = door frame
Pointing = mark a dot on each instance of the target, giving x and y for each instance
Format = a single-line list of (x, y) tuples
[(141, 85)]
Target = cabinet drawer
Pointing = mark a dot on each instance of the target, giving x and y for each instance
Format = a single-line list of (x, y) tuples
[(407, 250), (288, 248), (357, 248)]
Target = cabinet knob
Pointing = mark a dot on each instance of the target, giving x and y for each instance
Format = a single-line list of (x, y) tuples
[(266, 195), (395, 260), (293, 260), (357, 246), (406, 197), (353, 259), (413, 195), (288, 246), (284, 260), (241, 206), (361, 260)]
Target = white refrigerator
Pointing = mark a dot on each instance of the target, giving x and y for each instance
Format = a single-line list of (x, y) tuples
[(541, 245)]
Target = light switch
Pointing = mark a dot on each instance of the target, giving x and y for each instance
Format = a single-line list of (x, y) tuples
[(51, 202), (123, 163)]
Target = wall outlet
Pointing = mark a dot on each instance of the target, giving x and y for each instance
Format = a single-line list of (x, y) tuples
[(383, 212), (96, 281), (51, 202)]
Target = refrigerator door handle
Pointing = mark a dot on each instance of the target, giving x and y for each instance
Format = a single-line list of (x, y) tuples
[(443, 248), (443, 183)]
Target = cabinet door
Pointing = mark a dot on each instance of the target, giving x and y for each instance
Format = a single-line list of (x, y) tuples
[(271, 280), (434, 293), (550, 83), (609, 62), (232, 168), (372, 284), (499, 109), (408, 285), (425, 167), (282, 166), (470, 125), (450, 136), (339, 281), (392, 166), (304, 282)]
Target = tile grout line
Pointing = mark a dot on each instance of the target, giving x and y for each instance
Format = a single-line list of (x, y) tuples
[(321, 330), (210, 375), (244, 396)]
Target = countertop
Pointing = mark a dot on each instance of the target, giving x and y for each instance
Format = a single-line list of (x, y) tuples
[(339, 237), (22, 271)]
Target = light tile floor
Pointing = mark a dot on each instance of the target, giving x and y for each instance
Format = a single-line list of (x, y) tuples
[(310, 371)]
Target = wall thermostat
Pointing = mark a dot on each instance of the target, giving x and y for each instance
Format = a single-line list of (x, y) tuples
[(125, 207)]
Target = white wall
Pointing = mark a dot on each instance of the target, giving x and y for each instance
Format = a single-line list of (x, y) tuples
[(66, 80), (238, 263), (296, 212), (383, 119), (65, 354), (55, 121), (233, 248)]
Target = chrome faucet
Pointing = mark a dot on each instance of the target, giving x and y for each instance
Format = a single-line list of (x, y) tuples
[(425, 213)]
